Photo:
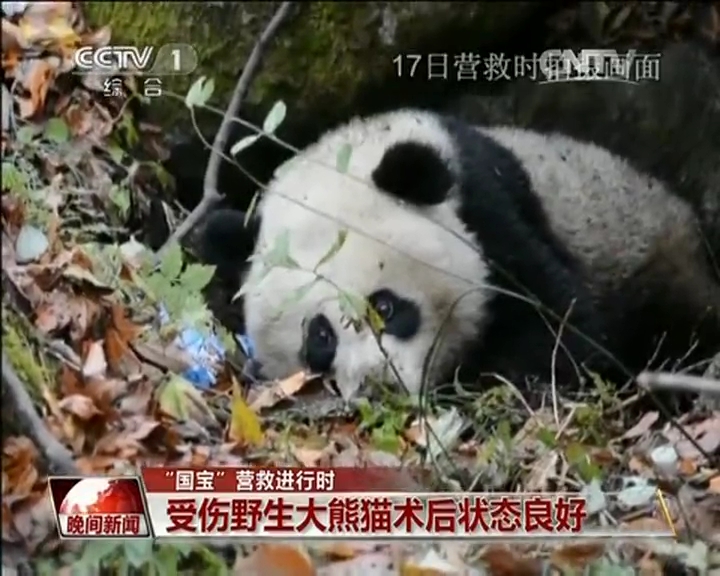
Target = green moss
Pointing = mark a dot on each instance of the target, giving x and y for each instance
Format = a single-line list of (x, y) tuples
[(29, 367), (319, 61)]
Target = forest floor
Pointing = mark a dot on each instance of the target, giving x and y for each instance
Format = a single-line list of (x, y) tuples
[(90, 333)]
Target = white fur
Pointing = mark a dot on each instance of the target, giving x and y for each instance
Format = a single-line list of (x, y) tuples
[(350, 200), (607, 214)]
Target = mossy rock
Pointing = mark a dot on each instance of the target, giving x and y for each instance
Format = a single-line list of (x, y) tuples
[(320, 59)]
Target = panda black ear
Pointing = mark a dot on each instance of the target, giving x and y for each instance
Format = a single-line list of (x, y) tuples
[(413, 172), (224, 240)]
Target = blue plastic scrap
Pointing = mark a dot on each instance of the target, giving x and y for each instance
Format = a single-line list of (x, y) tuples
[(205, 351)]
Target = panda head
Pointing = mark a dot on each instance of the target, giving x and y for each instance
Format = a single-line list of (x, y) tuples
[(395, 206)]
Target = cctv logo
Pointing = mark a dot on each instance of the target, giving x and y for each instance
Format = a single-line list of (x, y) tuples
[(113, 59)]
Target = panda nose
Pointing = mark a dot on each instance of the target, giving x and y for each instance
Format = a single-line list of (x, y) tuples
[(319, 345)]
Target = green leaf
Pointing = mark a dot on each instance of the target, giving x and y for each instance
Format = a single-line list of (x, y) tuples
[(352, 306), (199, 92), (279, 254), (56, 130), (172, 262), (275, 117), (180, 399), (196, 277), (96, 551), (295, 296), (252, 207), (138, 552), (377, 324), (547, 437), (116, 153), (25, 134), (343, 157), (243, 143), (334, 249)]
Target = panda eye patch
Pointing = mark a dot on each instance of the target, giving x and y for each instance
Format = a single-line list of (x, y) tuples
[(400, 315), (320, 344)]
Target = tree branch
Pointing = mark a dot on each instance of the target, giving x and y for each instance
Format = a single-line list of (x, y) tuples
[(666, 380), (211, 195), (59, 458)]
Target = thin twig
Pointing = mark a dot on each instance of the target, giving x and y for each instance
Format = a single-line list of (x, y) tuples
[(667, 380), (59, 458), (211, 195)]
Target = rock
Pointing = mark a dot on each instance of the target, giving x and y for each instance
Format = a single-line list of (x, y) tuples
[(322, 55)]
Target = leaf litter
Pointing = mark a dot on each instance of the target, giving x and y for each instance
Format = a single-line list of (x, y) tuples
[(121, 395)]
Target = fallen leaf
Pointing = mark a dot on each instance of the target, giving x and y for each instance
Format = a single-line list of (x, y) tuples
[(642, 426), (181, 400), (20, 474), (275, 560), (577, 556), (128, 329), (37, 80), (120, 357), (271, 395), (687, 467), (373, 564), (649, 567), (245, 426), (714, 485), (60, 310), (503, 561), (80, 406), (95, 363), (308, 457), (80, 276), (344, 550)]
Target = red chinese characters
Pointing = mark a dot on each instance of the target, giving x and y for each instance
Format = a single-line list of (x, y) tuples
[(422, 515), (122, 525)]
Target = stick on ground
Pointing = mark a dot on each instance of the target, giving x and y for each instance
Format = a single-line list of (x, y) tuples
[(211, 195), (682, 382), (59, 458)]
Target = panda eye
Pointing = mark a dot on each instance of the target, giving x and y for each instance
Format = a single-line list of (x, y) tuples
[(323, 335), (384, 307)]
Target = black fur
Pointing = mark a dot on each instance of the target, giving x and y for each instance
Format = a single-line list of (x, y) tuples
[(225, 240), (507, 219), (413, 172)]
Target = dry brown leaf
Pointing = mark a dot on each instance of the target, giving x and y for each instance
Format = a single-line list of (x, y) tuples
[(643, 425), (13, 40), (344, 550), (80, 406), (706, 435), (576, 556), (20, 474), (409, 569), (33, 521), (276, 559), (649, 567), (271, 395), (637, 465), (37, 79), (60, 310), (687, 467), (121, 358), (503, 561), (95, 362), (308, 457), (714, 485)]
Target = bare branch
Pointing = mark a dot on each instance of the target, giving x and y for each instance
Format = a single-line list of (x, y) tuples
[(59, 458), (211, 195), (683, 382)]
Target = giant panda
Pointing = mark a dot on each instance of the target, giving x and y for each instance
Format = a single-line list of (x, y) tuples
[(504, 251)]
